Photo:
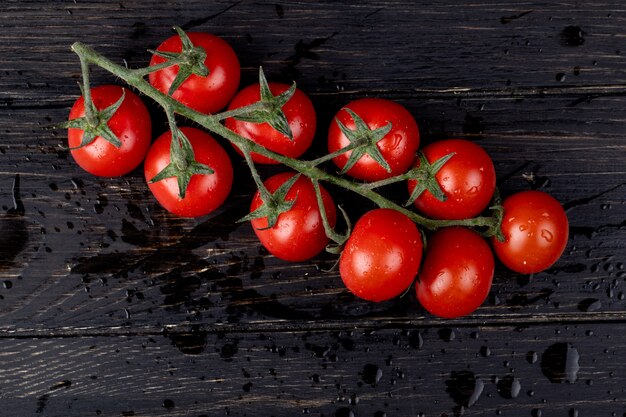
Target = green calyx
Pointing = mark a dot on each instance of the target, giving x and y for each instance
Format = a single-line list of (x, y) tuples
[(183, 164), (425, 175), (363, 140), (272, 110), (274, 204), (96, 123), (190, 60)]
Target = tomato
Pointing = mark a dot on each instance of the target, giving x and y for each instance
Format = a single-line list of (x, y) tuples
[(467, 179), (535, 229), (205, 193), (205, 94), (456, 273), (299, 112), (397, 147), (130, 123), (382, 255), (299, 233)]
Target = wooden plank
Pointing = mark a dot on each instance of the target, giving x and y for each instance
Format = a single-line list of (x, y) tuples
[(100, 254), (109, 306), (411, 371), (349, 47)]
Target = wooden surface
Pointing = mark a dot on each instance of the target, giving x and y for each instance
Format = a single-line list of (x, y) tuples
[(110, 306)]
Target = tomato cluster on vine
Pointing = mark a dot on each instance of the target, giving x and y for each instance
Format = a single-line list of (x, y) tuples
[(444, 248)]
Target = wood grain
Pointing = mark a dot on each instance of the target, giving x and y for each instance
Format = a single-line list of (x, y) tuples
[(404, 371), (110, 306)]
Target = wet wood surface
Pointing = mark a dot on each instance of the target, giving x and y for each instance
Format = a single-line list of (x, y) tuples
[(110, 306)]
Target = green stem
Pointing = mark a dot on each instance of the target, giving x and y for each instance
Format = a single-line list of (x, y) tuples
[(90, 114), (387, 181), (307, 168), (328, 157), (259, 105), (266, 196), (330, 232), (142, 72)]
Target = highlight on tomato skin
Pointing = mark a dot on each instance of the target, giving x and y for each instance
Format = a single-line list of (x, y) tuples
[(456, 274), (381, 258), (536, 230), (299, 233)]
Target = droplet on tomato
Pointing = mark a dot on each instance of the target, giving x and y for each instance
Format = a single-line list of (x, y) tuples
[(547, 235)]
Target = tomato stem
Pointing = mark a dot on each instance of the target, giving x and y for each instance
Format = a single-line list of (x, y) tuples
[(239, 111), (91, 114), (333, 155), (307, 168), (339, 239)]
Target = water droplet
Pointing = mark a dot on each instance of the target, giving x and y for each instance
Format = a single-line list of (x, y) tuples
[(371, 374), (446, 334), (589, 305), (522, 227), (559, 363), (572, 36), (168, 403), (560, 77), (344, 412), (547, 235), (531, 357), (415, 339), (485, 351), (509, 387), (464, 388)]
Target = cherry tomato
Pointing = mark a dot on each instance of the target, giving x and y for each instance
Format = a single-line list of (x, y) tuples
[(468, 180), (397, 147), (130, 123), (456, 274), (382, 256), (535, 229), (205, 94), (300, 114), (299, 233), (205, 193)]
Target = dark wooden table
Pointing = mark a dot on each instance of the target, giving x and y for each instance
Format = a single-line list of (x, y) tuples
[(110, 306)]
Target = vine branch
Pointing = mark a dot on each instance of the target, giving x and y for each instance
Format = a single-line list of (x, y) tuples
[(211, 122)]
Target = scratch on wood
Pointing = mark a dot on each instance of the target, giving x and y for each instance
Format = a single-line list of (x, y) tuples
[(196, 22), (582, 201), (508, 19), (374, 12)]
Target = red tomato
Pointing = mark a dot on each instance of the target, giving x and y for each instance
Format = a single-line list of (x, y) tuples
[(535, 229), (456, 274), (299, 233), (299, 112), (130, 123), (205, 193), (382, 256), (397, 147), (468, 180), (205, 94)]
